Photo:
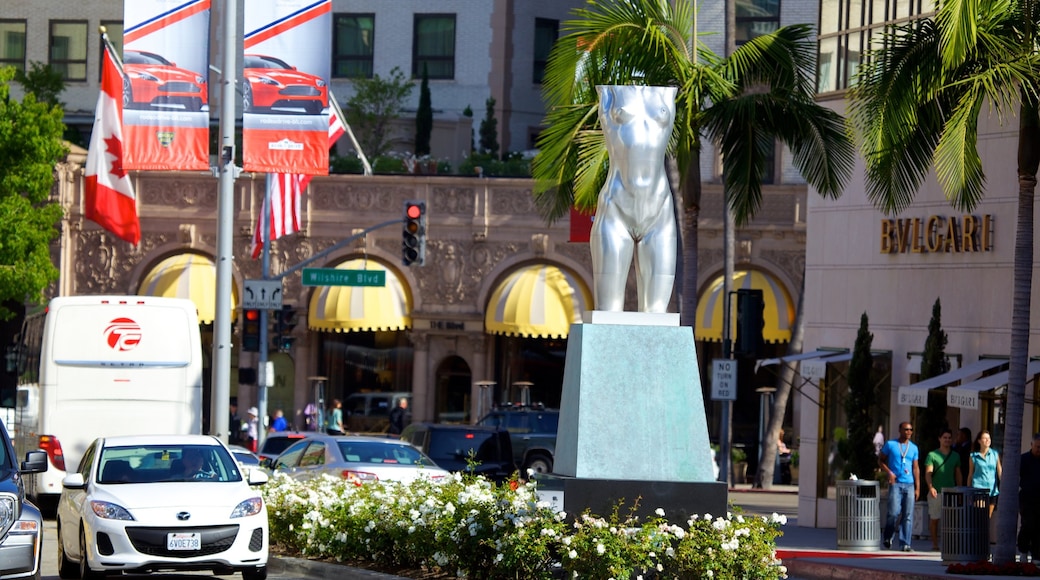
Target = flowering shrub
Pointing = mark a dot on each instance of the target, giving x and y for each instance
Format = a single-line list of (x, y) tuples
[(468, 526)]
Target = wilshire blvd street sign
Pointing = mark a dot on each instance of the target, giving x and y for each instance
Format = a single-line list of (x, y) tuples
[(337, 277)]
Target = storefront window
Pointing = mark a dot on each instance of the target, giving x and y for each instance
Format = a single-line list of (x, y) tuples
[(357, 362)]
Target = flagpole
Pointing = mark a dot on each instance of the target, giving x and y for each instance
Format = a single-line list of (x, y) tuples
[(220, 409), (350, 133)]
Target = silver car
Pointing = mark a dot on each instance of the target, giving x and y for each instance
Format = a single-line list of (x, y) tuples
[(21, 525), (356, 458)]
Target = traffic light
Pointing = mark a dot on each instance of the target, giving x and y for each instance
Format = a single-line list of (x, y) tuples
[(250, 331), (750, 322), (413, 244), (284, 322)]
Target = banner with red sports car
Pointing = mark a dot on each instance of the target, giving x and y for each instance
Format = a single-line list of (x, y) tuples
[(285, 93), (165, 85)]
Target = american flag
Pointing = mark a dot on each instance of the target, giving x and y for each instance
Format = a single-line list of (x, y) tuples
[(282, 203)]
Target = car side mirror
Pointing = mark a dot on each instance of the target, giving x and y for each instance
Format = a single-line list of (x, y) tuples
[(74, 481), (35, 462), (257, 477)]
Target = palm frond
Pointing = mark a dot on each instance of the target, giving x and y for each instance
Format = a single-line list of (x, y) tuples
[(957, 162)]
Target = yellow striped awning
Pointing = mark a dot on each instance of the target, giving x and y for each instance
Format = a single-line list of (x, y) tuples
[(359, 308), (778, 314), (191, 276), (537, 301)]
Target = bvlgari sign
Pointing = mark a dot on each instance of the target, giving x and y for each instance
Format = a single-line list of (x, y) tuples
[(937, 234)]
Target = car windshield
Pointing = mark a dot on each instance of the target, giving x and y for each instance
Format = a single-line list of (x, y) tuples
[(371, 452), (268, 62), (163, 463), (132, 57)]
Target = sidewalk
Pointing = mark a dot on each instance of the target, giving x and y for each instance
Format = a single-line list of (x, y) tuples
[(808, 553)]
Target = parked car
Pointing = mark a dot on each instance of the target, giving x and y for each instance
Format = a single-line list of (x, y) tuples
[(275, 443), (370, 412), (21, 524), (356, 458), (532, 430), (161, 502), (246, 459), (272, 83), (152, 81), (474, 449)]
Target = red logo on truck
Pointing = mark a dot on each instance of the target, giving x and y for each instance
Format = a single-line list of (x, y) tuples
[(123, 334)]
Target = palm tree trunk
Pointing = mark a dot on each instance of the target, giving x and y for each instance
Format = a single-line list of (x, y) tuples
[(1028, 160), (689, 212)]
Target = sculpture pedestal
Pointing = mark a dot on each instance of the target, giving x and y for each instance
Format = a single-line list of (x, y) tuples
[(632, 423)]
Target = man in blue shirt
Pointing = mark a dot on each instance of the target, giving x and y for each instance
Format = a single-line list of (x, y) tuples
[(899, 460)]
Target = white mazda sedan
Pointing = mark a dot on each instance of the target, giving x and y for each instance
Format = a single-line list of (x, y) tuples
[(161, 503)]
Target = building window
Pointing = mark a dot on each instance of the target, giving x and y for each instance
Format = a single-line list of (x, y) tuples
[(546, 32), (12, 43), (68, 49), (849, 28), (114, 29), (433, 46), (353, 41), (755, 18)]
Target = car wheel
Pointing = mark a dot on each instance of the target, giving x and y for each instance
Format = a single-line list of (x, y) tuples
[(247, 97), (84, 566), (538, 464), (67, 569), (128, 94), (255, 573)]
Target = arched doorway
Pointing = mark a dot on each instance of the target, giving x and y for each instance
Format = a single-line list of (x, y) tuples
[(452, 394)]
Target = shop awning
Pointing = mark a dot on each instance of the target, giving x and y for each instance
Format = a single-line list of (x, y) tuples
[(916, 395), (778, 314), (966, 396), (538, 300), (361, 308), (797, 357), (191, 276)]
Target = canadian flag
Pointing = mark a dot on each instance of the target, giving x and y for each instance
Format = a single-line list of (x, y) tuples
[(110, 199), (283, 200)]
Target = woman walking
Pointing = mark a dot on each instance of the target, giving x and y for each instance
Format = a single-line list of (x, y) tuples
[(984, 468)]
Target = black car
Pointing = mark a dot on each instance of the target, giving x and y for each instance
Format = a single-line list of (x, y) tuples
[(474, 449), (21, 524), (532, 430)]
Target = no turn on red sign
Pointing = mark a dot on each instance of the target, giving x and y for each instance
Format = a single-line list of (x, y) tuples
[(724, 380)]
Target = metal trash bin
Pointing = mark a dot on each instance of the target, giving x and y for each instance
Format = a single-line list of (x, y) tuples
[(859, 515), (964, 522)]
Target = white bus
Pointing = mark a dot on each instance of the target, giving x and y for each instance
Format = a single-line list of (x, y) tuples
[(98, 366)]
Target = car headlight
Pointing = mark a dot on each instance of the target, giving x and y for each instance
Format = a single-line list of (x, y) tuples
[(8, 510), (148, 77), (249, 507), (268, 81), (320, 82), (110, 511)]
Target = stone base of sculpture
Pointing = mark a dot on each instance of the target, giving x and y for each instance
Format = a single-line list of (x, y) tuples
[(679, 500)]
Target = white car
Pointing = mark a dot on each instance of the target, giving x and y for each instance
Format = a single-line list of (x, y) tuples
[(161, 503)]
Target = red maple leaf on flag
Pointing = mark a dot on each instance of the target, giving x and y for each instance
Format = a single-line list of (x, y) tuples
[(115, 147)]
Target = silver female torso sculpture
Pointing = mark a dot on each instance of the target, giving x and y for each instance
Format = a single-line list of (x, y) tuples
[(635, 213)]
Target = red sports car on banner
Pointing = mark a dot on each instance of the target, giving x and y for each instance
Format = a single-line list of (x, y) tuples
[(151, 81), (274, 84)]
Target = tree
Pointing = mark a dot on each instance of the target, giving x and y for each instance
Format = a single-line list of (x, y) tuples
[(489, 130), (30, 146), (934, 362), (916, 106), (43, 81), (376, 103), (764, 91), (859, 407), (423, 117)]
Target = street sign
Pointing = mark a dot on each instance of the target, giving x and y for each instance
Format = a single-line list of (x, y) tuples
[(724, 380), (262, 295), (337, 277)]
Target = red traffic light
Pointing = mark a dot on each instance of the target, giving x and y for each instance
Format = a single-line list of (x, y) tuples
[(252, 315), (413, 211)]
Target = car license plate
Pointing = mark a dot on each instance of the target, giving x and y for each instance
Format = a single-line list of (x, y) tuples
[(183, 541)]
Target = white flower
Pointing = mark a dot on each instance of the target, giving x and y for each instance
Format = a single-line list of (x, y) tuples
[(572, 554), (710, 574), (600, 549), (659, 512)]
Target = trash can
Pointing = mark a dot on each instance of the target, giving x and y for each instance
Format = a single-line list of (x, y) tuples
[(964, 521), (859, 515)]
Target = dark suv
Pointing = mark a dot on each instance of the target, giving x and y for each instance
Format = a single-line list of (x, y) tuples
[(532, 430), (21, 525), (457, 447)]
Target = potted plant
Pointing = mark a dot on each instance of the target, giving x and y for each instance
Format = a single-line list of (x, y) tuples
[(738, 457)]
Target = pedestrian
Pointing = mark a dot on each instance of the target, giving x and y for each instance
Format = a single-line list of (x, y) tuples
[(782, 469), (899, 460), (252, 429), (279, 423), (234, 423), (942, 469), (984, 469), (335, 424), (398, 416), (879, 439), (963, 448), (1029, 501)]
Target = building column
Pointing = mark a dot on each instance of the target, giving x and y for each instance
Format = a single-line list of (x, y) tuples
[(478, 346), (422, 399)]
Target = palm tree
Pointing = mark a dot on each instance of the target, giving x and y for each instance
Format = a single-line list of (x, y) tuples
[(916, 106), (763, 92)]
